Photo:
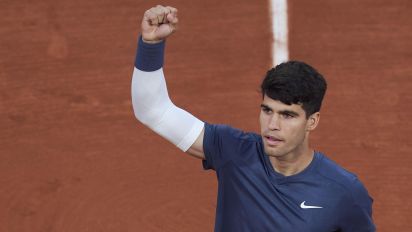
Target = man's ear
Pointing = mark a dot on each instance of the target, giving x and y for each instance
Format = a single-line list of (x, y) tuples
[(313, 121)]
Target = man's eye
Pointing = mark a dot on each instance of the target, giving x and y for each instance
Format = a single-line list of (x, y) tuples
[(266, 110), (287, 115)]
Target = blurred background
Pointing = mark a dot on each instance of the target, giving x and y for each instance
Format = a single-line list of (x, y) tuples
[(74, 158)]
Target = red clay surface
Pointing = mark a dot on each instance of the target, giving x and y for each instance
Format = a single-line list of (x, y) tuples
[(74, 158)]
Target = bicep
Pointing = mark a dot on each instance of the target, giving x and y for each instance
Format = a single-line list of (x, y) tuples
[(358, 220), (196, 149), (357, 215)]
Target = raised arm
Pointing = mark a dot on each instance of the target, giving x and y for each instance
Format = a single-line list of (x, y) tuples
[(151, 103)]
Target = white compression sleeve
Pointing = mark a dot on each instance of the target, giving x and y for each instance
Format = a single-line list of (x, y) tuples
[(153, 107)]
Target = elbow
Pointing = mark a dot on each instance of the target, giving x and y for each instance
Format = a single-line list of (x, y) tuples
[(148, 114), (143, 114)]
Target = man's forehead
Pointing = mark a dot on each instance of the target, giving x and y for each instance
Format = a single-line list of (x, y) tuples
[(277, 105)]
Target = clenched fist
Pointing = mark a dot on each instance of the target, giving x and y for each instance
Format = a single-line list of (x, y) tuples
[(158, 23)]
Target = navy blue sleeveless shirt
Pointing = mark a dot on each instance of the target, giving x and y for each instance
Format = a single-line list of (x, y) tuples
[(253, 197)]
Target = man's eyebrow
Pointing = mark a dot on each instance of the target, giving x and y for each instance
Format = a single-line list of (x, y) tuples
[(288, 112), (265, 106), (284, 112)]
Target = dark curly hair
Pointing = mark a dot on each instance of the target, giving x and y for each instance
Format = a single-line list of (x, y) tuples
[(295, 82)]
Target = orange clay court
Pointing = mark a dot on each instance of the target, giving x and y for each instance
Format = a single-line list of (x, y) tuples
[(74, 159)]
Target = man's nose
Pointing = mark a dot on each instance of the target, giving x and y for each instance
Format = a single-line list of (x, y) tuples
[(274, 122)]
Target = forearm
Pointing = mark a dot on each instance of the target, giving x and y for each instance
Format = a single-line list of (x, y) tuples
[(149, 92), (151, 103)]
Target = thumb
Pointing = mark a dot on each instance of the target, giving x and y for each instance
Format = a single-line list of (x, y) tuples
[(158, 23)]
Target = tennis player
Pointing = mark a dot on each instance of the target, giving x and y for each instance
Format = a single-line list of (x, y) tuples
[(272, 181)]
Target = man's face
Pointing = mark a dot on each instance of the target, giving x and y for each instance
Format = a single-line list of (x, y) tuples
[(284, 128)]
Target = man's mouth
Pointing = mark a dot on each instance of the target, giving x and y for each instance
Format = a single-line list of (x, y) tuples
[(273, 141)]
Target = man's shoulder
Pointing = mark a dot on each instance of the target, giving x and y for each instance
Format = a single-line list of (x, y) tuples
[(330, 169), (228, 132), (343, 179), (223, 144)]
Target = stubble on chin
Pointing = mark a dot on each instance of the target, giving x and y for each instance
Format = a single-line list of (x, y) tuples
[(270, 151)]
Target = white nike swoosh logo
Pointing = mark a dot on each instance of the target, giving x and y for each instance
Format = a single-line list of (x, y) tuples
[(303, 206)]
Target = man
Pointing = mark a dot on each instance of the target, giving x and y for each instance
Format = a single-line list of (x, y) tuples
[(268, 182)]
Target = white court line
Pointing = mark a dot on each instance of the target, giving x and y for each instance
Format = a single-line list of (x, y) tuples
[(279, 13)]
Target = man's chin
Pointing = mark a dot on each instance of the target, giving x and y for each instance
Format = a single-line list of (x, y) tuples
[(275, 152)]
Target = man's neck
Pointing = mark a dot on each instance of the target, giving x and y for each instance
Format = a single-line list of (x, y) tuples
[(293, 163)]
